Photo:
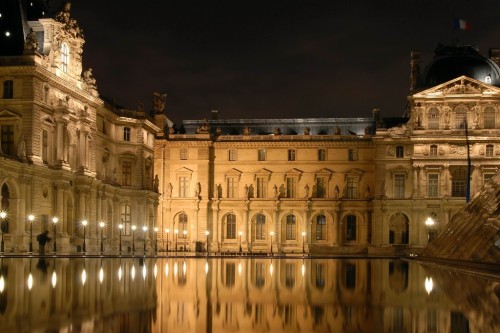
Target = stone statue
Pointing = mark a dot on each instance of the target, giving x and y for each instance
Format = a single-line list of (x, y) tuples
[(114, 175), (277, 131), (337, 191), (275, 191), (31, 44), (21, 148), (306, 190), (476, 113), (197, 190), (246, 191), (203, 128), (368, 194), (88, 78), (247, 131), (446, 112), (156, 183), (168, 191), (219, 191), (337, 130), (159, 102), (64, 14), (307, 131)]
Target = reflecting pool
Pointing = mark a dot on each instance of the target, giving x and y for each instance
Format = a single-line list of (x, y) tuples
[(182, 294)]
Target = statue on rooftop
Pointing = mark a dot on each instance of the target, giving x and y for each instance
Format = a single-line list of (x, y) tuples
[(31, 44)]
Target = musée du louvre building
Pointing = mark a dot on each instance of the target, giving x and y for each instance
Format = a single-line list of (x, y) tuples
[(323, 185), (337, 185)]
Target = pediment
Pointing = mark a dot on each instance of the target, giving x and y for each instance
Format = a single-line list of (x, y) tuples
[(184, 170), (294, 171), (399, 169), (9, 114), (324, 171), (234, 172), (459, 86), (263, 171)]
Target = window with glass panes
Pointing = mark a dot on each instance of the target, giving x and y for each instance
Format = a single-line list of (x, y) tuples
[(291, 228), (291, 187), (291, 154), (8, 89), (433, 119), (7, 139), (183, 154), (321, 227), (261, 187), (183, 187), (399, 185), (352, 187), (261, 155), (231, 226), (353, 155), (320, 187), (489, 117), (400, 151), (433, 151), (183, 221), (126, 134), (459, 183), (321, 155), (64, 57), (460, 118), (351, 227), (126, 218), (231, 187), (489, 150), (126, 173), (432, 185), (233, 154), (260, 227)]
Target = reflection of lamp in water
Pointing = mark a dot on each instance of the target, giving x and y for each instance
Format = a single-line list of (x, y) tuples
[(429, 285), (155, 270), (239, 268), (120, 226), (120, 273), (206, 267), (166, 269), (30, 281), (31, 218), (55, 220), (184, 267), (303, 242), (54, 279), (2, 283), (144, 271), (271, 268), (101, 275), (101, 225), (176, 269), (84, 277), (303, 269), (145, 229), (132, 272), (429, 223), (240, 233)]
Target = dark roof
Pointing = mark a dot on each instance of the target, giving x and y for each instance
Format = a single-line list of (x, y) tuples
[(451, 62)]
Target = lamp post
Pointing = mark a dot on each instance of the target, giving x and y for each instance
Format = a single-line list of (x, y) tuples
[(156, 240), (84, 224), (3, 215), (175, 233), (429, 223), (184, 233), (167, 230), (303, 242), (133, 238), (208, 244), (102, 224), (272, 234), (145, 229), (240, 233), (31, 218), (54, 221), (120, 226)]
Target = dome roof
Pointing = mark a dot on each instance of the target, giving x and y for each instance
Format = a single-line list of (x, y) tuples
[(451, 62)]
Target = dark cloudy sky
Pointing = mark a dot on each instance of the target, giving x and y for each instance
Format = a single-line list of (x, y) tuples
[(266, 59)]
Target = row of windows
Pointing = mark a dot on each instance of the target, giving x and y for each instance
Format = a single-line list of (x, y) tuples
[(433, 118), (262, 154)]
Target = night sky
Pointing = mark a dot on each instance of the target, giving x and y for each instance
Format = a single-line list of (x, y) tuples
[(271, 59)]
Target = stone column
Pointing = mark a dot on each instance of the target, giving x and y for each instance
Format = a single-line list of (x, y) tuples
[(338, 223), (246, 229), (416, 188), (277, 229), (446, 181), (60, 141)]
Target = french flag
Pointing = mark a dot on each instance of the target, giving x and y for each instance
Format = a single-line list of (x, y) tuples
[(461, 24)]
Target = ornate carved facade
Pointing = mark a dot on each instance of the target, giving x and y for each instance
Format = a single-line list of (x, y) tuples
[(65, 152)]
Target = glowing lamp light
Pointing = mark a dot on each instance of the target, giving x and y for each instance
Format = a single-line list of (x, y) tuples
[(429, 222), (132, 273), (206, 267), (2, 284), (120, 273), (429, 285), (303, 270), (166, 269), (3, 215), (7, 33), (55, 220), (144, 272), (54, 279), (155, 271), (84, 277), (184, 268), (85, 222), (176, 269), (30, 281), (271, 269), (101, 275), (144, 228), (102, 224)]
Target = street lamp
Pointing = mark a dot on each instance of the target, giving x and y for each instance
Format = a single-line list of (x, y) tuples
[(84, 224), (31, 218), (3, 215), (175, 233), (120, 226), (184, 232), (156, 240), (429, 223), (167, 230), (208, 245), (303, 241), (145, 229), (133, 238), (240, 233), (54, 221), (102, 224), (272, 234)]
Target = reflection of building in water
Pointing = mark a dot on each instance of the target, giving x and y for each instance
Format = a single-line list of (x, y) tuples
[(318, 295), (77, 295)]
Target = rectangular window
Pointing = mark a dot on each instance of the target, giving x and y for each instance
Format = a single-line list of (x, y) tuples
[(261, 155), (291, 154), (489, 150), (260, 227), (183, 187), (7, 139), (460, 120), (45, 146), (126, 173), (433, 185), (126, 134), (352, 187), (231, 187), (291, 187), (487, 177), (353, 155), (183, 154), (8, 89), (320, 187), (399, 186), (321, 155), (400, 151), (489, 118), (261, 187), (126, 219), (233, 154)]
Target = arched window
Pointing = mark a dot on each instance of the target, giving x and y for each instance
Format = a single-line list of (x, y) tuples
[(64, 57), (5, 208), (321, 227), (433, 150), (460, 117), (433, 118), (291, 227), (459, 182), (231, 226), (183, 221), (351, 227), (260, 227), (489, 117)]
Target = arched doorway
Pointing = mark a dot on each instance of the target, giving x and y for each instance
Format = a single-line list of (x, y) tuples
[(398, 229)]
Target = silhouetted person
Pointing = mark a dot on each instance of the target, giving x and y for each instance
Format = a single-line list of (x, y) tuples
[(42, 239)]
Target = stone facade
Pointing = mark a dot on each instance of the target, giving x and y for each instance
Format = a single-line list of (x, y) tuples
[(65, 152)]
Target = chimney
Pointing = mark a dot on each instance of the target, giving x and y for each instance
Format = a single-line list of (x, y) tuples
[(215, 114), (495, 56)]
